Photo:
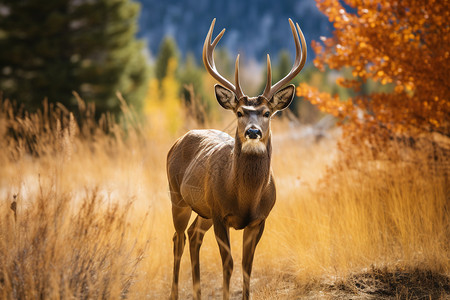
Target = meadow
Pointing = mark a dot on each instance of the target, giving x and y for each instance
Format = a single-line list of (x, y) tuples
[(85, 213)]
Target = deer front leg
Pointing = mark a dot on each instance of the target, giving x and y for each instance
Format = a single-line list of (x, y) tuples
[(181, 217), (222, 233), (252, 235), (196, 233)]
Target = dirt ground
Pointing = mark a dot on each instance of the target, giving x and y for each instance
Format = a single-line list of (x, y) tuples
[(371, 284)]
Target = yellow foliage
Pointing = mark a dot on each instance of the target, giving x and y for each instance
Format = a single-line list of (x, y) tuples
[(163, 105), (170, 98), (152, 97)]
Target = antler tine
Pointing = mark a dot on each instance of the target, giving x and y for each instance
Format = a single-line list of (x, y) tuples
[(300, 60), (207, 45), (213, 46), (304, 49), (208, 60), (239, 93), (269, 77)]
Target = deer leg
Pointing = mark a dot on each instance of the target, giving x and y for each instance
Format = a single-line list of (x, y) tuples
[(196, 232), (180, 217), (222, 233), (252, 235)]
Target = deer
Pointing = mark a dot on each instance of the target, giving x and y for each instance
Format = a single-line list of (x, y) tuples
[(228, 182)]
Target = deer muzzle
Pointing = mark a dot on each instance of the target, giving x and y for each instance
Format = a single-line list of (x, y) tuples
[(253, 133)]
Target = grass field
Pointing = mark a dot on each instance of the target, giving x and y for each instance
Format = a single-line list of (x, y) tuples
[(86, 214)]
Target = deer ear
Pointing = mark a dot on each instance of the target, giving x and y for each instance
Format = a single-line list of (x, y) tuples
[(225, 97), (283, 98)]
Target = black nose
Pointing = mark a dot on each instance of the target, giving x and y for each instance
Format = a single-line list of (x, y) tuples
[(253, 133)]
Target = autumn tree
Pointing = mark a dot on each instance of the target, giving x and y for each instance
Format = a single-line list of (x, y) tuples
[(401, 45)]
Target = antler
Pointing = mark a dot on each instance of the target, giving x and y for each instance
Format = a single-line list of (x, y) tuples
[(300, 60), (208, 60)]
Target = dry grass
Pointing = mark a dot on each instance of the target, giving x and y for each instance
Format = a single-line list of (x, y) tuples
[(91, 217)]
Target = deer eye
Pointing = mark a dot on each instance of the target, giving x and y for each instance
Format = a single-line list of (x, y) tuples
[(239, 114), (267, 114)]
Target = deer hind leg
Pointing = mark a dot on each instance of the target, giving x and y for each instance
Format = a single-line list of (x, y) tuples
[(180, 215), (252, 235), (222, 233), (196, 232)]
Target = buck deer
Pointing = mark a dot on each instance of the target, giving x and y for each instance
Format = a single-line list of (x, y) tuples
[(228, 181)]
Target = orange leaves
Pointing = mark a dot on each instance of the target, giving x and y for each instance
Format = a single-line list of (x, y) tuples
[(405, 45), (324, 101)]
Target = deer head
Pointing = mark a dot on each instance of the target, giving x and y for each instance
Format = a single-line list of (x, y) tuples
[(254, 113)]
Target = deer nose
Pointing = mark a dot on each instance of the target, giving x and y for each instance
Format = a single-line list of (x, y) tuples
[(253, 133)]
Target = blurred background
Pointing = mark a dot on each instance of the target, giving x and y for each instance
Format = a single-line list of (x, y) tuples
[(96, 48), (254, 28)]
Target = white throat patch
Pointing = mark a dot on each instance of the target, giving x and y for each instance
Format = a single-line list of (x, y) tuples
[(253, 146)]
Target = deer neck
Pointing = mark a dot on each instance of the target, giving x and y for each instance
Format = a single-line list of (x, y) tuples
[(250, 173)]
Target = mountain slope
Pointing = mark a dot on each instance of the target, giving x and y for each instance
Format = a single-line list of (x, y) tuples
[(254, 27)]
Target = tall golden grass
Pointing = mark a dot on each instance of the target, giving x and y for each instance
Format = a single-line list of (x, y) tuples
[(86, 214)]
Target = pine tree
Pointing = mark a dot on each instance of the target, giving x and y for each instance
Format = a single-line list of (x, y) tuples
[(167, 51), (50, 48), (190, 73)]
